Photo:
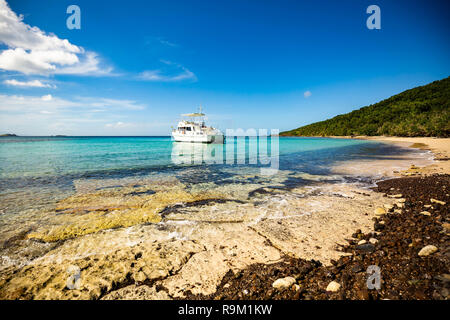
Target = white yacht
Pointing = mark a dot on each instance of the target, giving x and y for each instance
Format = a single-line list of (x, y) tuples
[(193, 129)]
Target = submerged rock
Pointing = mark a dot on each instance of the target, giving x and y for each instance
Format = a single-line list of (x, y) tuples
[(86, 213)]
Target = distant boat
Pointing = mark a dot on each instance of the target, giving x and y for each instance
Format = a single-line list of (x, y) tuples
[(193, 129)]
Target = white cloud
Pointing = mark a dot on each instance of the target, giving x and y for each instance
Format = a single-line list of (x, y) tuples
[(115, 103), (307, 94), (171, 72), (33, 104), (88, 65), (167, 43), (50, 114), (118, 125), (32, 51), (31, 83)]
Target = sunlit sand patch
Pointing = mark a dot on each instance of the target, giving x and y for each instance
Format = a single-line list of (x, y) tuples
[(311, 226), (385, 166)]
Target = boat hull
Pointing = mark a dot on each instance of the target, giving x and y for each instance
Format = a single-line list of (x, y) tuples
[(203, 138)]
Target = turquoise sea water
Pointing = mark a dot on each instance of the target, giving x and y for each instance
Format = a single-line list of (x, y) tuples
[(31, 158), (36, 173), (39, 170)]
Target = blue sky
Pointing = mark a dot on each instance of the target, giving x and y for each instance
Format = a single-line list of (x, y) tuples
[(134, 66)]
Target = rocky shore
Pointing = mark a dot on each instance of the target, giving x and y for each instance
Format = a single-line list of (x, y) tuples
[(410, 244)]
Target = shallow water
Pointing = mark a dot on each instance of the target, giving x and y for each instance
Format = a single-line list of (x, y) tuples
[(56, 188)]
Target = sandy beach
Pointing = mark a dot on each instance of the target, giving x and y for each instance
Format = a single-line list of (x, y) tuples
[(439, 146)]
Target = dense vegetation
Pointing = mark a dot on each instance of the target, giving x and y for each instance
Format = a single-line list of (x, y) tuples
[(422, 111)]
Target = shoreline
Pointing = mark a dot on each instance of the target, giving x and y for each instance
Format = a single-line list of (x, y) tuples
[(440, 147), (406, 231), (410, 247), (190, 252)]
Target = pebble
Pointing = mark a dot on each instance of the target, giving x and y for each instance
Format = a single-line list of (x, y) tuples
[(357, 268), (427, 250), (333, 286), (366, 247), (425, 213), (378, 226), (380, 211), (388, 206), (362, 242), (283, 283), (373, 241), (395, 195), (446, 226), (427, 206)]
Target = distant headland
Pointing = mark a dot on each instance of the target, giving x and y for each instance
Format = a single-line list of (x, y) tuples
[(419, 112), (8, 135)]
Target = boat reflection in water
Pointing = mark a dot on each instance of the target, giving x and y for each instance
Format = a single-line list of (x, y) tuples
[(262, 152), (197, 153)]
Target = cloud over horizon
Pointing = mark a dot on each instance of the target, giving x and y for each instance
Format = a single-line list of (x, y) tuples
[(49, 115), (21, 103)]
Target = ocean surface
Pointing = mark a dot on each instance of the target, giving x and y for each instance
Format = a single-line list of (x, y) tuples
[(32, 165), (38, 174)]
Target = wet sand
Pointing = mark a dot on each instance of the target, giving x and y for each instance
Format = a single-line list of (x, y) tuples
[(440, 148)]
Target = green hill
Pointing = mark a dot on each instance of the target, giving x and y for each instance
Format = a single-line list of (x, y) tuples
[(421, 111)]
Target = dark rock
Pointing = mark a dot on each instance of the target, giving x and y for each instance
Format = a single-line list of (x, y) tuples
[(366, 247), (357, 268)]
